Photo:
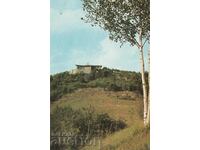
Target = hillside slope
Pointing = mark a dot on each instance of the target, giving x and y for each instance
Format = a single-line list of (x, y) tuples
[(123, 105)]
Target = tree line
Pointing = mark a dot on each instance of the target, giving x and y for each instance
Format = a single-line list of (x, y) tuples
[(108, 79)]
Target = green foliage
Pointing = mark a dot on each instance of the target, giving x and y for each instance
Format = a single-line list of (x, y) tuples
[(83, 123), (123, 19), (109, 79)]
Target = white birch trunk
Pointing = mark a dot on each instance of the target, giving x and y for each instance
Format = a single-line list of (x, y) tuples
[(144, 85), (148, 113)]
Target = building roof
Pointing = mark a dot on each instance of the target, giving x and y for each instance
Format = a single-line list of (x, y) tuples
[(88, 65)]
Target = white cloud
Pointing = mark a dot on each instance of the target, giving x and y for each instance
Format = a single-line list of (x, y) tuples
[(113, 56), (109, 54)]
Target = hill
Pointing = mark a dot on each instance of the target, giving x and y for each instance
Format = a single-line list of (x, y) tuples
[(103, 98), (109, 79)]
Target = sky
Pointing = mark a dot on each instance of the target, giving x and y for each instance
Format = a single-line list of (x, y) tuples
[(74, 42)]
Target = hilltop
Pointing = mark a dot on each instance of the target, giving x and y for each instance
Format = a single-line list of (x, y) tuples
[(108, 79)]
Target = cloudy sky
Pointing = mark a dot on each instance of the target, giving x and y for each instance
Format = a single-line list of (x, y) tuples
[(75, 42)]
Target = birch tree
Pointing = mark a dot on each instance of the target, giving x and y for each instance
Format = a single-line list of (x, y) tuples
[(125, 21)]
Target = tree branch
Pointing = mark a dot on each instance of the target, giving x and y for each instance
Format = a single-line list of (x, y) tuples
[(136, 43), (145, 42)]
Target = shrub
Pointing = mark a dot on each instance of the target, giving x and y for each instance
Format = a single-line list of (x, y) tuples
[(114, 87), (81, 123), (55, 94)]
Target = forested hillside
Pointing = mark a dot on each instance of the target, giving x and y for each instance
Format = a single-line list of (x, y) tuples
[(109, 79)]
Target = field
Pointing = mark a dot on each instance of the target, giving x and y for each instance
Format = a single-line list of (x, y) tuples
[(124, 105)]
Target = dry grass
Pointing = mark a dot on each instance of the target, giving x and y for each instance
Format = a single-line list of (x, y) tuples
[(134, 137)]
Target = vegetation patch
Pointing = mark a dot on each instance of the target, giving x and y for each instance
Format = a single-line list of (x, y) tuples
[(108, 79), (72, 129)]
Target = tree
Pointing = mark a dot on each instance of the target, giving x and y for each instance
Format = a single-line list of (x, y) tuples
[(148, 114), (126, 21)]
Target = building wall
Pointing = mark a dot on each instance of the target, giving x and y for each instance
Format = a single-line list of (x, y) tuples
[(85, 70)]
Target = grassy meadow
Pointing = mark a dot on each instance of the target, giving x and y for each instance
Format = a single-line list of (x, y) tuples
[(134, 137)]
